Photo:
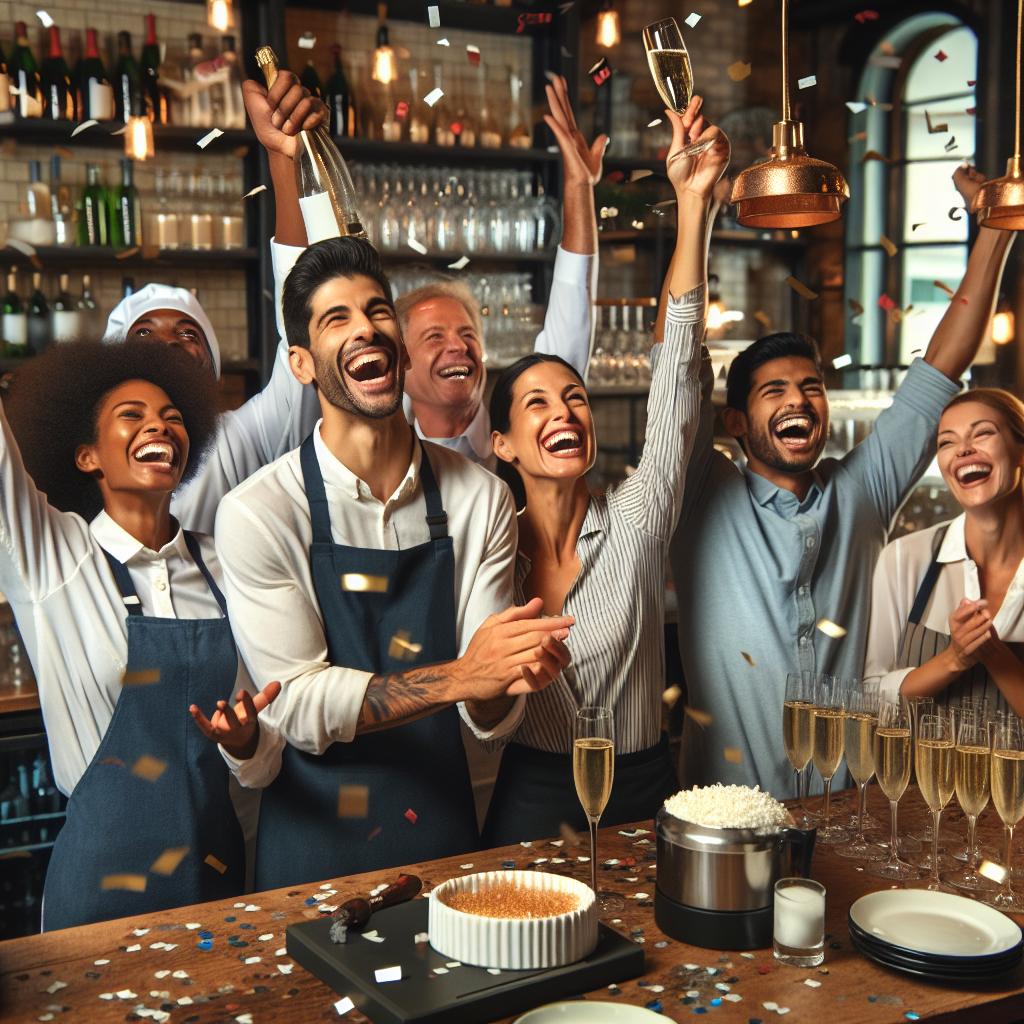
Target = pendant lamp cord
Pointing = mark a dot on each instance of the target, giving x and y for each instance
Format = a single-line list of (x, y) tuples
[(1016, 123), (785, 61)]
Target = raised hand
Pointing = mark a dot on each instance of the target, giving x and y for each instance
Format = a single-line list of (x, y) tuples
[(968, 180), (695, 174), (236, 729), (278, 114), (580, 162)]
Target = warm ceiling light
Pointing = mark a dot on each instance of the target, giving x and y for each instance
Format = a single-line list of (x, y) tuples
[(384, 70), (138, 138), (219, 15), (790, 189), (1002, 328), (999, 203), (608, 34)]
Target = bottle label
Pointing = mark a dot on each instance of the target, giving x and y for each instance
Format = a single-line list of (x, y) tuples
[(66, 325), (101, 100), (15, 329), (320, 217), (5, 93)]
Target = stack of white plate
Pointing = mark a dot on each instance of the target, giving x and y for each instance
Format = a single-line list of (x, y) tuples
[(935, 935)]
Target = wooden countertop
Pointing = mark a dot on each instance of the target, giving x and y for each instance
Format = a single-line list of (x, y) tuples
[(19, 698), (246, 976)]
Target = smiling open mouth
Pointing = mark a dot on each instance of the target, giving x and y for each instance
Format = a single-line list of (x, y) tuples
[(973, 473), (563, 442), (369, 366), (795, 430), (159, 453), (457, 371)]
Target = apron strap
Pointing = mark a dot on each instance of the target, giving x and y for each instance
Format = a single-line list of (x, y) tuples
[(924, 592), (437, 518), (123, 579), (192, 543), (316, 495)]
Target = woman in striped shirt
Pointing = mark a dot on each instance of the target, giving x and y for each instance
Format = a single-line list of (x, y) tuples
[(602, 558)]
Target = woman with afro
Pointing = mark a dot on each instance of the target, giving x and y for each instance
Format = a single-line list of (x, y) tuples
[(125, 624)]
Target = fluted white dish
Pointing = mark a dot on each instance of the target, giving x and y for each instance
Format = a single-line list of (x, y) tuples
[(513, 943)]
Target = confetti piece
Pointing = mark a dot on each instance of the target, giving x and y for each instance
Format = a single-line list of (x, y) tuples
[(422, 250), (692, 19), (168, 861), (214, 133), (353, 801), (433, 17), (411, 816), (467, 867), (919, 224), (601, 71), (806, 83), (940, 56), (951, 144), (142, 677), (702, 718), (997, 872), (440, 970), (884, 60), (307, 41), (841, 362), (132, 883), (357, 582), (863, 16), (149, 768), (252, 959), (910, 1015), (733, 755), (219, 866), (748, 659), (744, 3), (344, 1005), (255, 191), (44, 18), (763, 319), (812, 983), (829, 628), (401, 646), (462, 261), (79, 128), (934, 129), (671, 695), (888, 245), (956, 213), (433, 96), (873, 154), (738, 70), (856, 107), (943, 287), (384, 974), (885, 302), (801, 289)]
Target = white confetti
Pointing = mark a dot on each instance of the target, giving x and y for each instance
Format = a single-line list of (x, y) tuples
[(344, 1005), (748, 956), (440, 970), (327, 886), (307, 41), (126, 993), (373, 936), (101, 963), (325, 909), (416, 246), (251, 907), (383, 974), (733, 997), (443, 42), (57, 986), (141, 931), (692, 19), (466, 867), (526, 844), (106, 995), (244, 1018), (214, 133), (285, 968), (640, 896), (461, 262), (157, 945), (161, 974), (654, 123), (168, 946), (493, 970), (770, 1005), (656, 988), (133, 949), (722, 986), (831, 629), (806, 83), (453, 963), (433, 17), (193, 925), (782, 1010), (265, 937), (238, 906), (255, 191), (693, 994), (185, 1001), (855, 106), (558, 842), (842, 361), (44, 18), (180, 974), (421, 937), (253, 959), (281, 952), (812, 983), (433, 96), (23, 247)]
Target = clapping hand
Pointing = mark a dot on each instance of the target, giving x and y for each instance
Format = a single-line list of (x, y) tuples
[(970, 629), (236, 729)]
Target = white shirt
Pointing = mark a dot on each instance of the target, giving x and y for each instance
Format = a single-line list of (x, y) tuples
[(898, 574), (263, 537), (70, 612)]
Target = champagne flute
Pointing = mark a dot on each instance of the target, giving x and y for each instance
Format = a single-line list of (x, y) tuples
[(593, 769), (1008, 797), (972, 768), (828, 747), (934, 757), (798, 734), (892, 750), (965, 707), (860, 725), (669, 61)]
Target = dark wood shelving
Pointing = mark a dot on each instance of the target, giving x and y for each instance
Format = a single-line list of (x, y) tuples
[(363, 150), (228, 366), (406, 257), (179, 138), (482, 17), (87, 257), (723, 236)]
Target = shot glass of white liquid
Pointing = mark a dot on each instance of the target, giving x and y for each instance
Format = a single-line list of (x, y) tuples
[(799, 936)]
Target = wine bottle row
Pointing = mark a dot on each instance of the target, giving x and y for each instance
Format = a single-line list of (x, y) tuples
[(29, 325), (199, 88)]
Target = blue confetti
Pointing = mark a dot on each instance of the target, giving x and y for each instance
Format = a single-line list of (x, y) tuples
[(508, 863), (872, 999), (229, 919), (205, 944), (700, 1009), (717, 1001), (655, 1005), (205, 935), (910, 1015), (309, 902)]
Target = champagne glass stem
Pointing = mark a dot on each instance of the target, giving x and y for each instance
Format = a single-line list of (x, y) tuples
[(799, 801), (972, 855), (935, 846), (893, 857), (1009, 870), (828, 797), (593, 855), (862, 800)]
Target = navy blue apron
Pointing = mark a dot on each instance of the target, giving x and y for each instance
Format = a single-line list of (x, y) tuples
[(414, 776), (120, 823)]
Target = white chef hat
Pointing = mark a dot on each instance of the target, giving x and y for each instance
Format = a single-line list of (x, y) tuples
[(160, 296)]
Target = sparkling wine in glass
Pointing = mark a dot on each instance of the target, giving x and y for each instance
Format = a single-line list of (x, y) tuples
[(828, 746), (798, 733), (859, 736), (893, 756), (593, 770), (934, 757), (669, 61), (1008, 798)]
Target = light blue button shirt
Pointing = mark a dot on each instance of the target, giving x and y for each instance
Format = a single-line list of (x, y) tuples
[(756, 569)]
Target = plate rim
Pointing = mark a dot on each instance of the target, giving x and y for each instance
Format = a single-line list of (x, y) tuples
[(964, 969), (940, 958), (525, 1017), (921, 972)]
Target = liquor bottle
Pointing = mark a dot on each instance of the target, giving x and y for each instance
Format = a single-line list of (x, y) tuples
[(519, 131), (443, 134), (94, 223), (341, 106), (25, 74), (65, 325), (5, 89), (154, 98), (233, 106), (58, 93), (464, 125), (488, 131), (126, 79), (14, 325), (37, 195), (86, 303), (327, 196), (419, 121), (60, 206), (199, 104), (95, 93), (311, 80), (125, 213), (38, 316)]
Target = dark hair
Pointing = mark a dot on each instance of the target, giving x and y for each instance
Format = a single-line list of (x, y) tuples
[(1008, 405), (54, 399), (333, 257), (780, 345), (501, 412)]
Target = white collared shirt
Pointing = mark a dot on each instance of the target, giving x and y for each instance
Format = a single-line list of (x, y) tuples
[(263, 537), (898, 574), (70, 613)]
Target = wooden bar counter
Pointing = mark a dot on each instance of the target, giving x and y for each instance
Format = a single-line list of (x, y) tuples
[(157, 967)]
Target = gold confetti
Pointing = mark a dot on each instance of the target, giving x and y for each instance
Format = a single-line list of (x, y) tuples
[(855, 306), (639, 173), (218, 865), (858, 137), (733, 755), (568, 834), (402, 647), (255, 191), (801, 289), (873, 154), (149, 768), (671, 695), (168, 861), (353, 801), (359, 582), (829, 628), (934, 129), (702, 718), (738, 70), (748, 659), (943, 287), (763, 319), (141, 677), (82, 127), (888, 245), (133, 883), (127, 253)]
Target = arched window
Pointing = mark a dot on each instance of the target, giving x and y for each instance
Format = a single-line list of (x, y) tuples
[(913, 124)]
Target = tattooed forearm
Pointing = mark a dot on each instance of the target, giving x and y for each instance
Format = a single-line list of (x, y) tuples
[(400, 697)]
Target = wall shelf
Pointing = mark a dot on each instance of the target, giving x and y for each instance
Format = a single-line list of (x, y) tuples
[(366, 150), (54, 257), (180, 138)]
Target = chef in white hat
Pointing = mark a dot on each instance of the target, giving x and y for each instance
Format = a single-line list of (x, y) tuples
[(281, 416)]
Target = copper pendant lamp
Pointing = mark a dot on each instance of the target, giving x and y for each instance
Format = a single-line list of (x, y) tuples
[(999, 203), (790, 189)]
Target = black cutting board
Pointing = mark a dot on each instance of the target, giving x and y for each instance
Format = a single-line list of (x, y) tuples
[(465, 995)]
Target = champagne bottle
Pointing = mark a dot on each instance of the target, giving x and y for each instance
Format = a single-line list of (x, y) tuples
[(94, 223), (65, 315), (199, 104), (95, 93), (125, 214), (25, 73), (58, 94), (126, 79), (88, 315), (14, 325), (339, 99), (5, 88), (231, 88), (38, 316), (327, 196), (154, 98)]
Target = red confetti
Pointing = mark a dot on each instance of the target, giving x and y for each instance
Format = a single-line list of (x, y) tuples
[(473, 53), (940, 56), (764, 968), (971, 110), (456, 128), (600, 72), (401, 109), (971, 84), (376, 832), (862, 16), (411, 816), (885, 302), (532, 18)]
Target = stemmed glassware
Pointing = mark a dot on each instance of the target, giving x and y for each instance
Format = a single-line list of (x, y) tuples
[(1008, 797), (860, 724), (972, 768), (893, 756), (828, 747), (593, 770), (934, 757), (798, 734)]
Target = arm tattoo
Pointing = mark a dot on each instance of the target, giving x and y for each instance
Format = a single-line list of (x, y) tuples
[(399, 697)]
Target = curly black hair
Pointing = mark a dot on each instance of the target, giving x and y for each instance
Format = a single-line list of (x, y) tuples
[(53, 401)]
